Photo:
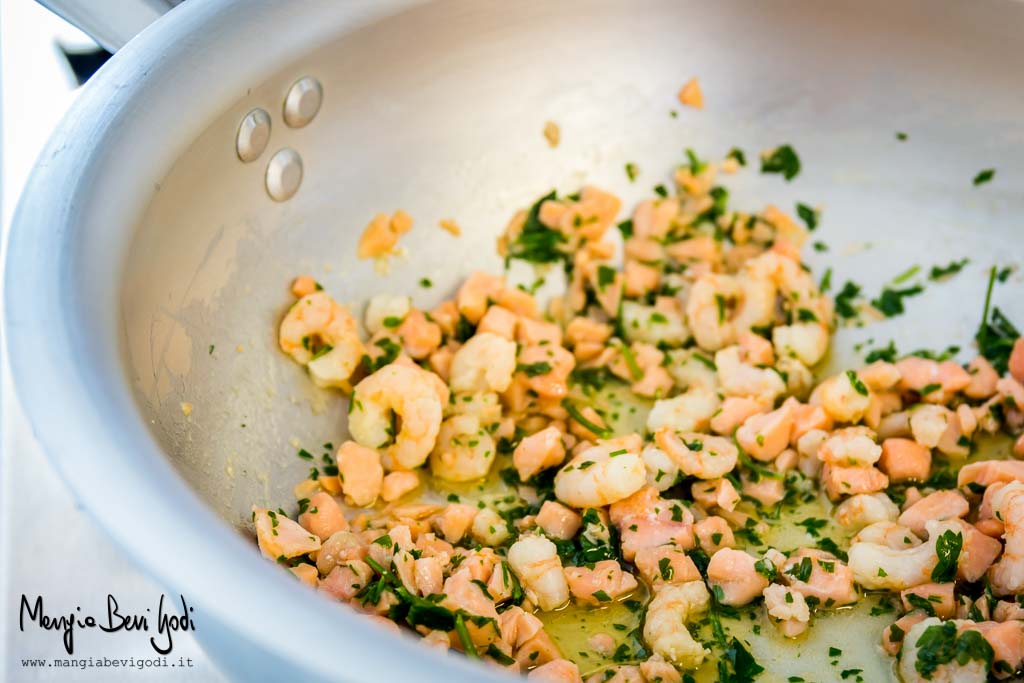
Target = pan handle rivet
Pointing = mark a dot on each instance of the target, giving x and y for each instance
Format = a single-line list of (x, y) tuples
[(284, 174), (253, 135), (302, 102)]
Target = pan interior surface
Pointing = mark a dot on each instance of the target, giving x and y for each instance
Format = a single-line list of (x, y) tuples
[(439, 111)]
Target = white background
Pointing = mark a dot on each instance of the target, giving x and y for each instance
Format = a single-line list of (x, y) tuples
[(48, 545)]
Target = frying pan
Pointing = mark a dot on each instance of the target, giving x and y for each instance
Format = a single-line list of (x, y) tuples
[(148, 264)]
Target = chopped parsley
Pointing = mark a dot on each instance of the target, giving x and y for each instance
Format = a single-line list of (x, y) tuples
[(947, 547), (940, 272), (783, 159), (808, 215), (737, 154), (845, 300), (939, 645), (984, 176), (537, 243), (890, 301), (996, 334), (632, 171), (855, 382), (534, 369)]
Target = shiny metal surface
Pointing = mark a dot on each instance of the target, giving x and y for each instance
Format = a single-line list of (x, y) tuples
[(197, 256), (303, 101), (253, 135), (284, 174)]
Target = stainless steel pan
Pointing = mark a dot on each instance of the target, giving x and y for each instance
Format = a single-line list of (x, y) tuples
[(148, 264)]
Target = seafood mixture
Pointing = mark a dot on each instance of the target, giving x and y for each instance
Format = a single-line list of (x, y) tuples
[(624, 449)]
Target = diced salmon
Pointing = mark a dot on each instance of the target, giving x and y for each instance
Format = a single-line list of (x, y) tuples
[(713, 493), (304, 285), (345, 580), (983, 379), (665, 564), (713, 534), (604, 583), (977, 554), (556, 671), (323, 516), (558, 521), (1016, 363), (830, 580), (362, 474), (734, 573), (839, 480), (307, 574), (765, 436), (279, 536), (939, 596), (905, 460), (500, 321), (807, 417), (892, 636), (397, 484), (538, 452), (455, 520)]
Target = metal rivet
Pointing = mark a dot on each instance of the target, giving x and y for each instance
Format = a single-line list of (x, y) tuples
[(302, 102), (253, 135), (284, 174)]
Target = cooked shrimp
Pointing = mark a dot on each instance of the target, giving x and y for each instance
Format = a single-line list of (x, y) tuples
[(538, 452), (600, 475), (889, 534), (535, 561), (662, 471), (857, 512), (665, 626), (719, 307), (322, 335), (807, 342), (851, 446), (940, 505), (969, 668), (464, 450), (1007, 575), (485, 363), (987, 472), (738, 378), (733, 572), (787, 608), (603, 583), (877, 566), (687, 412), (406, 392), (844, 397), (928, 423), (698, 455), (645, 520)]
